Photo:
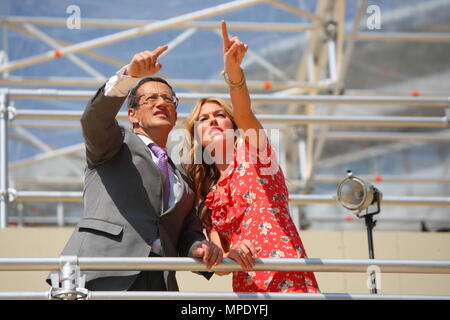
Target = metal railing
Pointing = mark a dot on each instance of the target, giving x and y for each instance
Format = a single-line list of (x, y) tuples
[(77, 196), (60, 218), (68, 281), (191, 264), (384, 121), (372, 100), (162, 295)]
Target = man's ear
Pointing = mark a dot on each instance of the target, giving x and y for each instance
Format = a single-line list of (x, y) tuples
[(132, 116)]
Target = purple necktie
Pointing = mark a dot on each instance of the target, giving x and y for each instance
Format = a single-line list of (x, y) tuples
[(163, 165)]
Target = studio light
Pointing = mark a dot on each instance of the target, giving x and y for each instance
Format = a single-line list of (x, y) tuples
[(357, 195)]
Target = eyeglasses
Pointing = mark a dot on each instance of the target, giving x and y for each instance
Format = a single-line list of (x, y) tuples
[(152, 99)]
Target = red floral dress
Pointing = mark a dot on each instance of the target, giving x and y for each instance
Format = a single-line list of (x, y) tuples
[(251, 202)]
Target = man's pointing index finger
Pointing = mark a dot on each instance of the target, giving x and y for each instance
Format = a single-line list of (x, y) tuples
[(158, 51)]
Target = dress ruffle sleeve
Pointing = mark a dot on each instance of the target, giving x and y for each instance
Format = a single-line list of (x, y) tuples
[(218, 203), (224, 205)]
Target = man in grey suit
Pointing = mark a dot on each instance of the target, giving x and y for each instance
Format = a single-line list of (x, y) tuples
[(133, 206)]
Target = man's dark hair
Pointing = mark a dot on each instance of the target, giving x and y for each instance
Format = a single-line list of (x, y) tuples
[(133, 98)]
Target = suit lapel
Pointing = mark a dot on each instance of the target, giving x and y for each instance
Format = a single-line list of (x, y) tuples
[(154, 184), (183, 189), (157, 181)]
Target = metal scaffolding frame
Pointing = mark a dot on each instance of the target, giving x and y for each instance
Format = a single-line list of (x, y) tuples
[(318, 82), (58, 196), (68, 280), (61, 219)]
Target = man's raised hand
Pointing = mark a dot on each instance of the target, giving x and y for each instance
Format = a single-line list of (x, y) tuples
[(145, 63)]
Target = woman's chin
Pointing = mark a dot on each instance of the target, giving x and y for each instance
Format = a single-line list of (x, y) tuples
[(214, 141)]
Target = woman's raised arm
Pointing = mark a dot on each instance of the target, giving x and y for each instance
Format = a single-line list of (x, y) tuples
[(233, 53)]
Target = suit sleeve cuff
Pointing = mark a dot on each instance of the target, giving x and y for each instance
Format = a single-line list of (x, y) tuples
[(119, 84)]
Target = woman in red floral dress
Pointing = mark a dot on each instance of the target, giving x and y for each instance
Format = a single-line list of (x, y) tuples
[(240, 188)]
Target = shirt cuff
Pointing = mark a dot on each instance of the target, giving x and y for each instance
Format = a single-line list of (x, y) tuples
[(119, 84)]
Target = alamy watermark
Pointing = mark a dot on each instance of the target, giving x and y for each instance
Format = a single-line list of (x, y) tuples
[(373, 22), (74, 20), (373, 277)]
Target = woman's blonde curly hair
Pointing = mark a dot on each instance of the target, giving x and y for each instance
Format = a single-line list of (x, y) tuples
[(202, 175)]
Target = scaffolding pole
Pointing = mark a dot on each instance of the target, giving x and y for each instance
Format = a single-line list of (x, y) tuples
[(432, 122), (4, 177), (439, 37), (64, 221), (177, 83), (388, 136), (74, 196), (134, 23), (380, 219), (34, 32), (387, 200), (321, 178), (85, 95), (295, 10)]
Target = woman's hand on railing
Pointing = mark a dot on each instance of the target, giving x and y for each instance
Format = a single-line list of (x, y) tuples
[(244, 253)]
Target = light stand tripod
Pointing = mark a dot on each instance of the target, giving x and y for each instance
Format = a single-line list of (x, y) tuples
[(356, 195), (370, 224)]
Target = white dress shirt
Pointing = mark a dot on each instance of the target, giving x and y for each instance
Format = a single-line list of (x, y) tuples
[(119, 84)]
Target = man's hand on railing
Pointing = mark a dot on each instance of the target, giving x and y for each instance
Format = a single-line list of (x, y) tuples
[(209, 252)]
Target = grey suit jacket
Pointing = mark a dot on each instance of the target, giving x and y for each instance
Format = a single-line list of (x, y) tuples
[(123, 196)]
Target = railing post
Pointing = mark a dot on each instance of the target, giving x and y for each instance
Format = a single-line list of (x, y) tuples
[(6, 114), (60, 214), (68, 284), (447, 115)]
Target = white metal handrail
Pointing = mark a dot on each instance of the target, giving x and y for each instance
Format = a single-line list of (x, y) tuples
[(384, 121), (387, 200), (84, 95), (262, 264), (133, 23), (63, 220), (166, 295), (70, 264), (76, 196)]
